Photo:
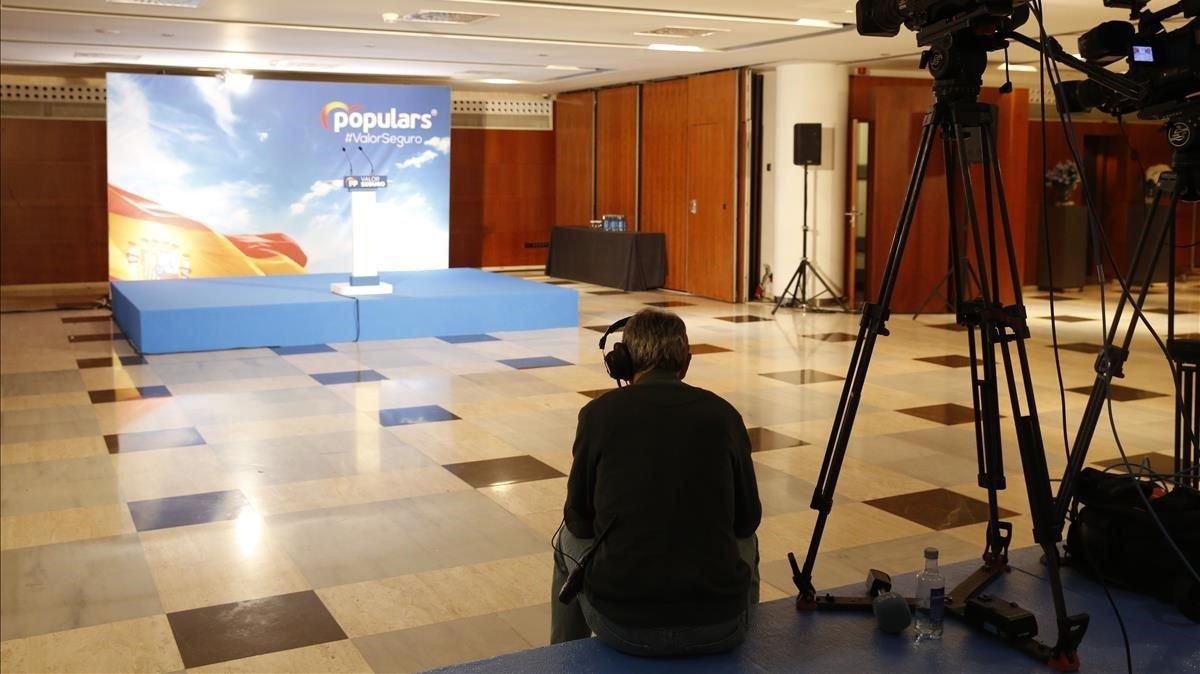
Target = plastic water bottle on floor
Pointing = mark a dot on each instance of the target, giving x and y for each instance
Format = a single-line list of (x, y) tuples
[(931, 598)]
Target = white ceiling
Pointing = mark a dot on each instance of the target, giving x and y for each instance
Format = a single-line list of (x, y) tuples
[(518, 43)]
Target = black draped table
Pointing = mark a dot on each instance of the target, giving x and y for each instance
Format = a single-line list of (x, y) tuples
[(625, 260)]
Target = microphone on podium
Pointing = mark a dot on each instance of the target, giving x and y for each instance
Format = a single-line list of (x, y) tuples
[(368, 159)]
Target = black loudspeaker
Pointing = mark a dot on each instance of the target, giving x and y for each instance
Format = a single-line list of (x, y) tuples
[(806, 144)]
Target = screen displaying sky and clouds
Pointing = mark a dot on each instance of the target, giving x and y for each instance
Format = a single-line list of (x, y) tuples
[(267, 158)]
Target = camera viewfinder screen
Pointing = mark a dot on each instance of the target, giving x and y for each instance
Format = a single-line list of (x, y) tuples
[(1143, 53)]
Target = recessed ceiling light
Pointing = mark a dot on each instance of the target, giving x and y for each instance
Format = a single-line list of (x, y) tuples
[(237, 81), (185, 4), (390, 17), (168, 34), (442, 16), (1018, 67), (675, 47), (818, 23), (108, 31), (499, 80), (106, 56), (681, 31), (369, 46), (570, 68)]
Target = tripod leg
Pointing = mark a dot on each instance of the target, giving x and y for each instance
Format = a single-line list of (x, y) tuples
[(783, 295), (872, 324), (1111, 359), (1046, 532), (824, 281), (932, 294)]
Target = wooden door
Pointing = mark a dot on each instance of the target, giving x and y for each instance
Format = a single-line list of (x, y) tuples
[(617, 153), (664, 172), (712, 226), (574, 176)]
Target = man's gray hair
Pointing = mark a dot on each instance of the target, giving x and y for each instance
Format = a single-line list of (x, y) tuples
[(656, 339)]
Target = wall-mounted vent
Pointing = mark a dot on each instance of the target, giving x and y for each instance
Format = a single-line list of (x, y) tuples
[(439, 16), (681, 31), (45, 98), (480, 110), (182, 4)]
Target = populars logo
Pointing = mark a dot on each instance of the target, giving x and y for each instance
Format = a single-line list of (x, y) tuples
[(337, 116)]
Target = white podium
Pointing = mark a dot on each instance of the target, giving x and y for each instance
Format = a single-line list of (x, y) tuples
[(364, 275)]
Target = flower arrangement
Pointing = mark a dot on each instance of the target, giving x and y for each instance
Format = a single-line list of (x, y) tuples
[(1064, 177)]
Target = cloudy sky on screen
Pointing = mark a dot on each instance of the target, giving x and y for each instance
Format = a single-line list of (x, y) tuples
[(260, 161)]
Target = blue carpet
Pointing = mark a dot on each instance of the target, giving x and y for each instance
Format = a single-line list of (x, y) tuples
[(782, 639), (287, 311)]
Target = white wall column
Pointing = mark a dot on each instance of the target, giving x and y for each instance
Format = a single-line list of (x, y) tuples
[(806, 93)]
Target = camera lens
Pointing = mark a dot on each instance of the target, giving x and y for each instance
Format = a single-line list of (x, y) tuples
[(878, 18)]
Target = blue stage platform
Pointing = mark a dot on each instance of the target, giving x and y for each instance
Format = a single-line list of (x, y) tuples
[(784, 640), (229, 313)]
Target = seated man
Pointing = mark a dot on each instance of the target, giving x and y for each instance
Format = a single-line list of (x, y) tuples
[(663, 485)]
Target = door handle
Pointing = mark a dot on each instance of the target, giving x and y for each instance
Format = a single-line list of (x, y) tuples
[(693, 206)]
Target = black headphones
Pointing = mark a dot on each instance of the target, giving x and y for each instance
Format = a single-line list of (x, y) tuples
[(618, 362)]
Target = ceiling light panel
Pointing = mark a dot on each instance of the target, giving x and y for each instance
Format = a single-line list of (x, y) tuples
[(181, 4)]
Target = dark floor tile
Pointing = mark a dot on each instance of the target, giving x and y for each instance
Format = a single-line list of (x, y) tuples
[(87, 319), (132, 360), (558, 282), (833, 337), (701, 349), (79, 302), (1067, 319), (508, 470), (1188, 336), (468, 339), (608, 292), (763, 439), (670, 303), (122, 394), (1058, 297), (803, 376), (402, 416), (596, 393), (1081, 347), (147, 440), (87, 363), (1164, 310), (182, 511), (953, 360), (1121, 393), (945, 413), (953, 327), (302, 350), (744, 318), (534, 362), (596, 328), (254, 627), (1158, 462), (101, 337), (351, 377), (937, 508)]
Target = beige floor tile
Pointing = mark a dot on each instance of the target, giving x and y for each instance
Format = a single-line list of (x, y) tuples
[(525, 498), (52, 450), (218, 563), (262, 430), (30, 402), (858, 480), (439, 645), (365, 488), (61, 526), (171, 472), (134, 416), (138, 645), (337, 657), (454, 441), (402, 602)]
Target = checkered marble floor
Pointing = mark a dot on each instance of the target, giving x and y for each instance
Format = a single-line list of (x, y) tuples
[(387, 506)]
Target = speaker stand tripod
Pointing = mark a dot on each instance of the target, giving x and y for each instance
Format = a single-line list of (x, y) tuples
[(798, 285), (996, 334)]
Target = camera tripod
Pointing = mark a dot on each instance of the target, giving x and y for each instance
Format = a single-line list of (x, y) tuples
[(968, 136), (1182, 182), (798, 285)]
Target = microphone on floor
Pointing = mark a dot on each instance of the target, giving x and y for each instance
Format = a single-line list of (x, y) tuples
[(891, 610)]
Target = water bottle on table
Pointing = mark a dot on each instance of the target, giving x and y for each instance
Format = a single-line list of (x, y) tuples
[(931, 598)]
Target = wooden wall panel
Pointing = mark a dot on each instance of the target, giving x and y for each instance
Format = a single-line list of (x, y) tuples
[(573, 158), (664, 171), (712, 176), (501, 197), (53, 215), (617, 144)]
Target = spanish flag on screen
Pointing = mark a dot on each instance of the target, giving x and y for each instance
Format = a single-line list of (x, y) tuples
[(146, 241)]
